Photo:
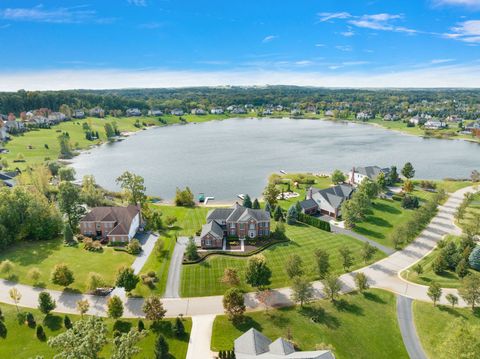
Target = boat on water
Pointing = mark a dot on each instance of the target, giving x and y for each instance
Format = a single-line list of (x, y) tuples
[(201, 197), (241, 196), (283, 171)]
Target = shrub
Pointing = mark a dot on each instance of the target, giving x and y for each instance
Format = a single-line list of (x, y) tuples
[(141, 326), (41, 333), (134, 247), (474, 258), (410, 202), (30, 319), (3, 330), (94, 281), (314, 222), (6, 266), (67, 323)]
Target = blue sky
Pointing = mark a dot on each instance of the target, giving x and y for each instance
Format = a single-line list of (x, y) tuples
[(159, 43)]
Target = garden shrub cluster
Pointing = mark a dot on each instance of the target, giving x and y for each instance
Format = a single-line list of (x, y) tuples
[(314, 222)]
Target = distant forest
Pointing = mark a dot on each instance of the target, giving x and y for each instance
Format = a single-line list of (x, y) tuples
[(462, 102)]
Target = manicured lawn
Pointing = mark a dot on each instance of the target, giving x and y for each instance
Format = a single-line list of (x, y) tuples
[(290, 178), (384, 216), (448, 279), (44, 255), (203, 279), (473, 209), (189, 220), (432, 322), (22, 343), (37, 139), (160, 266), (358, 326)]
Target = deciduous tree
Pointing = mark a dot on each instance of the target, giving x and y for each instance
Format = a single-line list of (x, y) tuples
[(234, 304)]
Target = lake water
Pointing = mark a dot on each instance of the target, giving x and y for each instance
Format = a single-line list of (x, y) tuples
[(225, 158)]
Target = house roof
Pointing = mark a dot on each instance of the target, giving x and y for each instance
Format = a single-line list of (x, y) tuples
[(334, 195), (123, 216), (213, 228), (308, 204), (252, 342), (237, 213), (371, 171), (219, 214)]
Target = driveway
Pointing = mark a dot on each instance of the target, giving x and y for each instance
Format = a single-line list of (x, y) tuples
[(172, 289), (347, 232), (407, 328), (200, 337), (147, 240)]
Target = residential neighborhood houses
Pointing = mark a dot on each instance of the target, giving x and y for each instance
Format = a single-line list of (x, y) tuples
[(326, 201), (115, 224), (358, 174)]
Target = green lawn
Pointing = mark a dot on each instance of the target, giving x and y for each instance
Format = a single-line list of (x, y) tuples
[(22, 343), (358, 326), (44, 255), (431, 323), (189, 220), (203, 279), (473, 209), (447, 279), (384, 216)]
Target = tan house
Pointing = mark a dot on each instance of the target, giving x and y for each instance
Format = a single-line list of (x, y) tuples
[(237, 222), (116, 224)]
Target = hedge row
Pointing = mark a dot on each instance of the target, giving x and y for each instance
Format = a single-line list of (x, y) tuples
[(237, 254), (314, 222)]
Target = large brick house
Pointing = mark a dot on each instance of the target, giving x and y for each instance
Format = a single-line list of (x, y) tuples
[(117, 224), (237, 222)]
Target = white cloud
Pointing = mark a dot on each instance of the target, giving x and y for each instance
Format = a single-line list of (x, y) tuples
[(269, 38), (440, 61), (467, 31), (347, 33), (150, 25), (304, 63), (326, 16), (438, 76), (138, 2), (60, 15), (346, 48), (319, 45), (468, 3)]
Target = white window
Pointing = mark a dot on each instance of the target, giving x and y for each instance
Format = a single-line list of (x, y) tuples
[(232, 225), (252, 225)]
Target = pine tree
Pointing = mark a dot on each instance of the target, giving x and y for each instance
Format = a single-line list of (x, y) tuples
[(256, 204), (161, 348), (247, 202)]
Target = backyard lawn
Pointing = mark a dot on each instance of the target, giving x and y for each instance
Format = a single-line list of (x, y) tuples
[(357, 326), (21, 342), (44, 255), (203, 279), (447, 279), (432, 322), (291, 178)]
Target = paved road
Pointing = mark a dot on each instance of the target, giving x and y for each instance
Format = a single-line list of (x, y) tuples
[(383, 274), (407, 328), (384, 249), (172, 289)]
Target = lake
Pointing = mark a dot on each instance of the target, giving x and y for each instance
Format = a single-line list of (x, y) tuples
[(225, 158)]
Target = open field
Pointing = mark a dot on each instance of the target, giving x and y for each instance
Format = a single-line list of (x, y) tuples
[(203, 279), (44, 255), (21, 342), (447, 279), (432, 322), (357, 326)]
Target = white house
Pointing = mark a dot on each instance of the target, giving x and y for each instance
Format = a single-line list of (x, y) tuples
[(155, 112), (216, 111), (177, 112), (198, 112), (133, 112), (363, 116), (358, 174)]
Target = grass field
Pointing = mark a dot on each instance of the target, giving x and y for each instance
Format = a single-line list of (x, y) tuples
[(473, 210), (189, 220), (432, 322), (44, 255), (21, 342), (358, 326), (203, 279), (448, 279)]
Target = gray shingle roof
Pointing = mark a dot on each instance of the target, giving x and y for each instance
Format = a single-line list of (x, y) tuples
[(371, 171), (123, 216), (252, 342), (308, 204), (213, 228), (335, 195), (281, 347), (219, 214)]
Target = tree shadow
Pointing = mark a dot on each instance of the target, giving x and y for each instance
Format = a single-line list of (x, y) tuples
[(122, 326), (368, 232), (162, 326), (377, 221), (343, 306), (373, 297), (53, 322), (28, 253), (279, 319), (246, 324), (319, 315), (384, 207), (451, 311)]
